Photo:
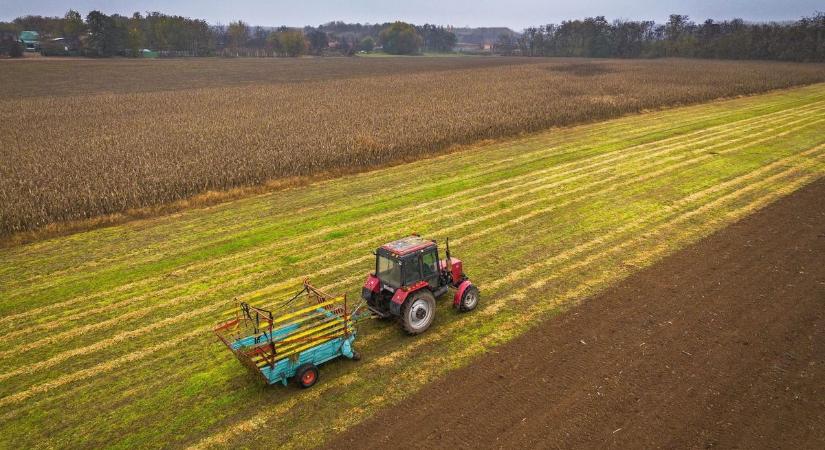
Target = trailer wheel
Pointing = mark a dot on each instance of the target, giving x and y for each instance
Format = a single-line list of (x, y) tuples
[(306, 375), (469, 300), (418, 312)]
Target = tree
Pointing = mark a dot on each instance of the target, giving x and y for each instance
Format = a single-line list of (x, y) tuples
[(318, 41), (98, 24), (238, 34), (679, 40), (73, 26), (136, 38), (259, 38), (367, 44), (505, 45), (400, 39), (436, 38), (287, 42), (347, 45)]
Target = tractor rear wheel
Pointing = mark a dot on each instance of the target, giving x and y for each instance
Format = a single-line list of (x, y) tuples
[(469, 299), (306, 375), (418, 312)]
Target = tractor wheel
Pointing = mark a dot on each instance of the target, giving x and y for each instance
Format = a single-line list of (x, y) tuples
[(469, 299), (306, 375), (418, 312)]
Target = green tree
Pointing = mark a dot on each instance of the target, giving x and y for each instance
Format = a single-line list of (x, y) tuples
[(367, 44), (98, 24), (73, 26), (238, 34), (288, 42), (400, 39), (136, 38)]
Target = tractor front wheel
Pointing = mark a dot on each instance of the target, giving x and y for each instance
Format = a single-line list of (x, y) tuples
[(418, 312), (469, 299), (306, 375)]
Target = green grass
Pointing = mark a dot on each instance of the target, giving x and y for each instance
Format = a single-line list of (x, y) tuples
[(106, 334)]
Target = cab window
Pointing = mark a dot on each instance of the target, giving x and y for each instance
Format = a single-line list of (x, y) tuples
[(429, 264), (412, 270), (389, 271)]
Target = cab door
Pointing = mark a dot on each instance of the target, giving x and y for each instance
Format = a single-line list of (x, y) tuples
[(429, 267)]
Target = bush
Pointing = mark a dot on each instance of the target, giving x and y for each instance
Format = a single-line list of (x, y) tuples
[(16, 50), (10, 47)]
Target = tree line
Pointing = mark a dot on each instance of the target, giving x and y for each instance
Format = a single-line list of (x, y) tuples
[(802, 40), (99, 34)]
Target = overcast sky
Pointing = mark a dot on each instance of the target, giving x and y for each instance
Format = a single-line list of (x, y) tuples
[(515, 14)]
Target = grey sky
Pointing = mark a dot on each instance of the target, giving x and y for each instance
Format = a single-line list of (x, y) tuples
[(516, 14)]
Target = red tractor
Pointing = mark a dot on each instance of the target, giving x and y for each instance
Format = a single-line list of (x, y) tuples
[(409, 277)]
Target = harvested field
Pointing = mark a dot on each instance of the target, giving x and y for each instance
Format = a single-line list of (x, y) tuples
[(720, 345), (106, 334), (174, 129)]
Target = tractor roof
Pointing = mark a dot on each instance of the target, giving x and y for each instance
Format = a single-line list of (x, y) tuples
[(407, 245)]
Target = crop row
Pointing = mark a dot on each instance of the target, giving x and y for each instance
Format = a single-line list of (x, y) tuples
[(68, 158)]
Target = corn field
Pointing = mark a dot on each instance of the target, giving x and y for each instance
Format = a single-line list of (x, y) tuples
[(153, 132)]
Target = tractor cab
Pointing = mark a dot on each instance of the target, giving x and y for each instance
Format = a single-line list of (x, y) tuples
[(407, 262), (409, 276)]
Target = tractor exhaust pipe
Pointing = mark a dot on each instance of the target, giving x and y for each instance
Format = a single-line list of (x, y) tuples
[(448, 259)]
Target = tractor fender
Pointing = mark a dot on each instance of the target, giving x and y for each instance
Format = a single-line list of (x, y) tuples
[(401, 295), (459, 292)]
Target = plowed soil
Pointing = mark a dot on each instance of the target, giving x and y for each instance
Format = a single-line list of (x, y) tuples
[(719, 345)]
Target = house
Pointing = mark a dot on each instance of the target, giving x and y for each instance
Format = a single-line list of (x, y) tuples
[(30, 40)]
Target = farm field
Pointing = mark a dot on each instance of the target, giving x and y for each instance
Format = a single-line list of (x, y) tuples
[(106, 334), (88, 140)]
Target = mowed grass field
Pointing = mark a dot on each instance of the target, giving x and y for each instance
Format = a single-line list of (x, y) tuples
[(106, 336)]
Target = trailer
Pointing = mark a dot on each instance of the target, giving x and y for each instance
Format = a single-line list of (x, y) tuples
[(290, 341)]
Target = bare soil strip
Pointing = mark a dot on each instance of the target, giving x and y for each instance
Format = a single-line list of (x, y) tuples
[(721, 344)]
